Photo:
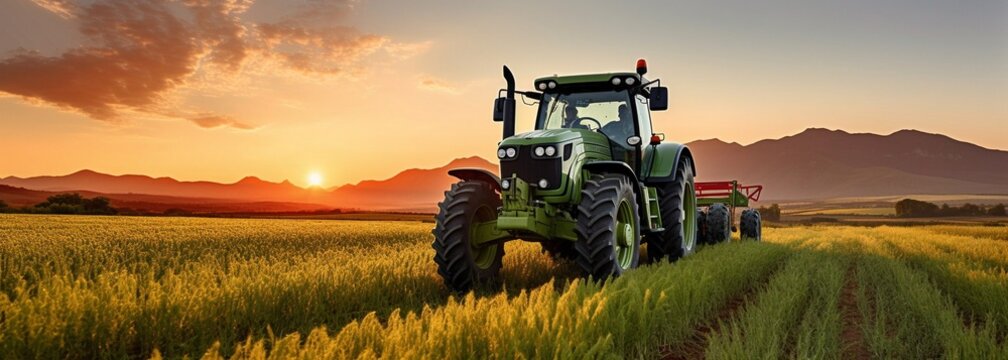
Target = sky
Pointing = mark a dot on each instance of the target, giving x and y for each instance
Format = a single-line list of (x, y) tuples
[(353, 90)]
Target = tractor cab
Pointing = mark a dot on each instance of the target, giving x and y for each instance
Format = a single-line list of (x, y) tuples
[(616, 105)]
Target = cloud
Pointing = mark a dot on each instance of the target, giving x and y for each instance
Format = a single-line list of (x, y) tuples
[(326, 50), (141, 51), (209, 121), (138, 52), (63, 8), (432, 83)]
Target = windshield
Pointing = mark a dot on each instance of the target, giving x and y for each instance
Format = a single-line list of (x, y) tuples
[(605, 111)]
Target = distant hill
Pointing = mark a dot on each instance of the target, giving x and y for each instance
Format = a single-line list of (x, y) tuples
[(414, 189), (814, 164), (821, 164)]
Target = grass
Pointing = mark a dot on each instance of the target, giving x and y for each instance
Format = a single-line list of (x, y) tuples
[(125, 287)]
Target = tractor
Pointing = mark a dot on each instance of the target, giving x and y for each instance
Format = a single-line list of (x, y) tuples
[(592, 183)]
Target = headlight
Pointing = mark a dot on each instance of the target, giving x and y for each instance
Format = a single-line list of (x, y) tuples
[(505, 184), (616, 81), (510, 152), (542, 86), (543, 183), (539, 151), (550, 151), (501, 153), (630, 81)]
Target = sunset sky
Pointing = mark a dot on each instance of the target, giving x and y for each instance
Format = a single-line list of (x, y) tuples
[(353, 90)]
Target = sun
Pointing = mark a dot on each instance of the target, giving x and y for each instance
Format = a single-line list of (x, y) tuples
[(314, 179)]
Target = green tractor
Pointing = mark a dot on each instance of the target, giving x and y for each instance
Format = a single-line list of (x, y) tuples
[(592, 183)]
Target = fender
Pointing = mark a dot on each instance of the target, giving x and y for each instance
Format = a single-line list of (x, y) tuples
[(618, 167), (477, 174), (661, 162)]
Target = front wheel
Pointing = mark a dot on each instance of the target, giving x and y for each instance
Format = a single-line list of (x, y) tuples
[(677, 200), (607, 227), (461, 262)]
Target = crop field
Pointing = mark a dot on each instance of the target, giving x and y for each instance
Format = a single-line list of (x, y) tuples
[(144, 287)]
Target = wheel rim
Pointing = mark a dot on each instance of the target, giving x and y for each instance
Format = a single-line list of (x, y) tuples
[(483, 255), (626, 231), (689, 217)]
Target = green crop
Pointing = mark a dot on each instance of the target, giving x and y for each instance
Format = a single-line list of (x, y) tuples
[(137, 287)]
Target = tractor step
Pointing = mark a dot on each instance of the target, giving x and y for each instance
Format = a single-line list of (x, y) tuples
[(654, 209)]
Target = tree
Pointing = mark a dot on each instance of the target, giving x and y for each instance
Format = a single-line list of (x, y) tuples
[(75, 204), (915, 208), (997, 210), (771, 213)]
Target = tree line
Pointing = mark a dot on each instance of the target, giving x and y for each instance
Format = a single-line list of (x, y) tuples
[(917, 208), (66, 204)]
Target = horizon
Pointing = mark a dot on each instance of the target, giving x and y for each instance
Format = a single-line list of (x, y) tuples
[(318, 91), (445, 163)]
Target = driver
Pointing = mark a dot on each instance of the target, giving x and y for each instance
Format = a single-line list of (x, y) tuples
[(571, 119), (622, 128)]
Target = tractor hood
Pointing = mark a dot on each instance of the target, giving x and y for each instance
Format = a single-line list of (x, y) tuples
[(554, 136)]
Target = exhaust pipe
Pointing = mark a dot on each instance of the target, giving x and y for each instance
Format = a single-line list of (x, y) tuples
[(509, 104)]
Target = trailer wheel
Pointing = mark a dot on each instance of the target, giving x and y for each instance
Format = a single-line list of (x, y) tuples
[(461, 264), (751, 224), (718, 224), (701, 236), (608, 227), (677, 201)]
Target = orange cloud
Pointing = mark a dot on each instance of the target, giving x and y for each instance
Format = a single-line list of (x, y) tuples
[(433, 83), (209, 121), (140, 50), (58, 7)]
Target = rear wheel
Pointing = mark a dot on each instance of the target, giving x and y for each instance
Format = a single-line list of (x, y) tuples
[(607, 227), (718, 224), (461, 263), (751, 225), (677, 200)]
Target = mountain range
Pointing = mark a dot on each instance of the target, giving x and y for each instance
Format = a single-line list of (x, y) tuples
[(814, 164)]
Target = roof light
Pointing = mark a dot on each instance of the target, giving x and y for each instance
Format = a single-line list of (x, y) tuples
[(552, 84), (630, 81), (542, 86), (616, 81), (641, 67)]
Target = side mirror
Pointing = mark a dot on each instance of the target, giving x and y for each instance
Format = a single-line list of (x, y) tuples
[(498, 110), (658, 98)]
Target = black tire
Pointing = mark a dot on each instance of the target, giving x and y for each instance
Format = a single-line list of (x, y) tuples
[(458, 262), (718, 224), (604, 200), (701, 219), (679, 238), (559, 249), (751, 225)]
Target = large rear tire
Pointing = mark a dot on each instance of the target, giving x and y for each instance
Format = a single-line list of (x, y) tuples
[(751, 225), (677, 201), (718, 224), (608, 227), (462, 265)]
